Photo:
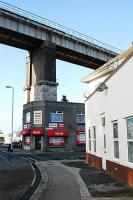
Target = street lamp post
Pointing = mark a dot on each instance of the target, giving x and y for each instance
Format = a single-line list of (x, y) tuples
[(8, 86)]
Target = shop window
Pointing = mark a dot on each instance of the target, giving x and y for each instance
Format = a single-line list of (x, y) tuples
[(57, 116), (94, 138), (81, 118), (56, 141), (116, 139), (89, 139), (130, 139), (27, 140), (27, 117), (81, 137)]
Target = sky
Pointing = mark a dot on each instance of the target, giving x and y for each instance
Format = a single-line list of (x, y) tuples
[(106, 21)]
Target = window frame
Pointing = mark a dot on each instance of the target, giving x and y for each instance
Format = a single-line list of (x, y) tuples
[(28, 117), (56, 113), (94, 139), (129, 140), (115, 139), (77, 119), (89, 139)]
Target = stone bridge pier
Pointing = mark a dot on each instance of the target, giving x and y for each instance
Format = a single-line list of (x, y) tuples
[(41, 74)]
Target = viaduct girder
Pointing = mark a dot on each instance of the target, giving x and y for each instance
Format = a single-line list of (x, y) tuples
[(27, 31)]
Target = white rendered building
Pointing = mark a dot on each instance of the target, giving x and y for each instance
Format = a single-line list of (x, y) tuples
[(109, 117)]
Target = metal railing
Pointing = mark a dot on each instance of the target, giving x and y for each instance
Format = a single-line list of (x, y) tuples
[(56, 26)]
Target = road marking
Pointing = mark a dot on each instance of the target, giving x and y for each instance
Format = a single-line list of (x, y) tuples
[(34, 176), (33, 181)]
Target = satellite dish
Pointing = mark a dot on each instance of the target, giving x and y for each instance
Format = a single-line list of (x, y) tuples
[(86, 94)]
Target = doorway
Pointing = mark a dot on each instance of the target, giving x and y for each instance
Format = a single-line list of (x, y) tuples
[(38, 142)]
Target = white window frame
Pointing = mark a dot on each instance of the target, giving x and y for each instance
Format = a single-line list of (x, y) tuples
[(56, 113), (129, 140), (77, 119), (94, 138), (89, 139), (115, 139)]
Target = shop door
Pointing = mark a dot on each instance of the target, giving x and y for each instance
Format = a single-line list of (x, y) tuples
[(38, 142)]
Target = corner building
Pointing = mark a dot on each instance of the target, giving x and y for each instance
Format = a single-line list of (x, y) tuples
[(54, 126)]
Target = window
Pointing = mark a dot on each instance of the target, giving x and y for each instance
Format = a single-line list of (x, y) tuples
[(27, 117), (103, 121), (81, 139), (57, 116), (94, 138), (116, 139), (56, 141), (130, 139), (89, 139), (81, 117)]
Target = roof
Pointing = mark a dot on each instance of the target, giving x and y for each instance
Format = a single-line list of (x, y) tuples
[(118, 61), (108, 67)]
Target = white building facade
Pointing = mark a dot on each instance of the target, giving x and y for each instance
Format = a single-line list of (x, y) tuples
[(109, 117)]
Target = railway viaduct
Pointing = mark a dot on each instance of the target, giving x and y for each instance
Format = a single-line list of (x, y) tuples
[(46, 41)]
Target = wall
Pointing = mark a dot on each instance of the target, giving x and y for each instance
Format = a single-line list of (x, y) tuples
[(116, 103)]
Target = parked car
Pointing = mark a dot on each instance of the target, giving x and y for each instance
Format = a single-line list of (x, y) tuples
[(17, 145)]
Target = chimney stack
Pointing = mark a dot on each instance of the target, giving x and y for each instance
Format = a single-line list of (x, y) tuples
[(64, 99)]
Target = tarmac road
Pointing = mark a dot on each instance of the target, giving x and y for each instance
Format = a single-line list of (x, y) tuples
[(16, 176)]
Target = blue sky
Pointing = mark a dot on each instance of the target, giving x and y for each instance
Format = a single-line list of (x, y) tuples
[(107, 21)]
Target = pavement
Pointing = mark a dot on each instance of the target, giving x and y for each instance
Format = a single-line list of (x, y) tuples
[(73, 179)]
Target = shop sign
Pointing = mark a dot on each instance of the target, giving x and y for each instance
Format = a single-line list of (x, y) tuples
[(48, 128), (39, 131), (38, 117), (81, 138), (26, 132), (53, 125), (61, 125), (29, 126), (56, 141), (27, 140), (57, 133), (25, 126)]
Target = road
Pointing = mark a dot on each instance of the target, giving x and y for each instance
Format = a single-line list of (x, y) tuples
[(16, 176)]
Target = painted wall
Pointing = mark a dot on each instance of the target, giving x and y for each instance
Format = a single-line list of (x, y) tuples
[(117, 104)]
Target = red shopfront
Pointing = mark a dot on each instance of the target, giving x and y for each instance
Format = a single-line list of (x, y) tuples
[(56, 138), (26, 139), (37, 133)]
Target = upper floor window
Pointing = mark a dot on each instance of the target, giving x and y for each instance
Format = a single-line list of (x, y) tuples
[(130, 139), (57, 116), (27, 117), (81, 117)]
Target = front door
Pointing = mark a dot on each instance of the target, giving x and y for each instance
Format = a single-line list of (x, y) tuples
[(103, 142), (38, 142)]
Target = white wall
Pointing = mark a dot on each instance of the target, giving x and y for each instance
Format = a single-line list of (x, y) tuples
[(117, 103)]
